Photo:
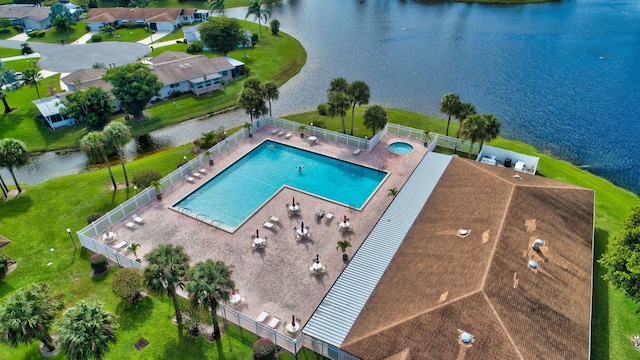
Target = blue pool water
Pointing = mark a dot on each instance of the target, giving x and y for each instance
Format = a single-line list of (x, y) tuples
[(229, 198), (401, 148)]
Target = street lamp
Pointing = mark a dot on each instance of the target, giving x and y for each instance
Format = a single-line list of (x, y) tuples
[(71, 236), (135, 188)]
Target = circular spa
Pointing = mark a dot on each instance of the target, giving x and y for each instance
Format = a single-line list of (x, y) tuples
[(401, 148)]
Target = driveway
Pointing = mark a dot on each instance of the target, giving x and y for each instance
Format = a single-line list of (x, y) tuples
[(72, 57)]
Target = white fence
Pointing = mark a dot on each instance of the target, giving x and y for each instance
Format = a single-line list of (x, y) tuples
[(322, 134), (454, 143)]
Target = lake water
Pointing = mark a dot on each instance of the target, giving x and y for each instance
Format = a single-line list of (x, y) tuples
[(562, 76)]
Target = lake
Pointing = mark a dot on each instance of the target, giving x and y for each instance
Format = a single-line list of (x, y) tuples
[(562, 76)]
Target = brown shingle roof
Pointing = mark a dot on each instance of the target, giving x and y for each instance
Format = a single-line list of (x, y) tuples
[(440, 283), (88, 77)]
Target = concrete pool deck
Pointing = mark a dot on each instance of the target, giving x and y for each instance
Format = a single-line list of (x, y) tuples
[(276, 278)]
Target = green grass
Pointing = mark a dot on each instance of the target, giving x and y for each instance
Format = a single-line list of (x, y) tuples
[(8, 52), (54, 37), (274, 58), (126, 34), (176, 34), (7, 33), (20, 65)]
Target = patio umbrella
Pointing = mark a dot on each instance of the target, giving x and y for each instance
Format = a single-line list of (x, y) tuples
[(293, 320), (317, 259), (345, 219), (233, 292), (302, 226), (257, 233), (294, 202)]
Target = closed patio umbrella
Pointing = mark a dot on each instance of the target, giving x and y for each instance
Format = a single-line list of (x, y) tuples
[(345, 219), (257, 233), (294, 202), (293, 320), (302, 226)]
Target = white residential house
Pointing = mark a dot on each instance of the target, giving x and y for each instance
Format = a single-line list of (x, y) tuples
[(160, 19), (191, 34), (181, 72), (29, 16)]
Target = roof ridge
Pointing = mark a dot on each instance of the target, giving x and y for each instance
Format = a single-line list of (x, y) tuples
[(504, 328), (400, 322), (499, 233)]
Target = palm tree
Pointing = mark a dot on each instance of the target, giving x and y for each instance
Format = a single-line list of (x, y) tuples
[(27, 315), (7, 76), (359, 94), (474, 129), (31, 77), (168, 264), (450, 105), (86, 330), (218, 5), (375, 118), (118, 135), (491, 128), (252, 98), (466, 110), (338, 104), (337, 85), (62, 24), (95, 145), (270, 92), (13, 153), (255, 9), (210, 283)]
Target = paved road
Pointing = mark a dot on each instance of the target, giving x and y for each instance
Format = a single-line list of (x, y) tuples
[(69, 58)]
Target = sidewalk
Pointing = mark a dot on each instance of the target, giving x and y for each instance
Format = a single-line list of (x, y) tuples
[(157, 36), (20, 37), (84, 38), (20, 57)]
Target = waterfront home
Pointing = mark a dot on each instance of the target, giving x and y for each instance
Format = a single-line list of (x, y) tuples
[(160, 19)]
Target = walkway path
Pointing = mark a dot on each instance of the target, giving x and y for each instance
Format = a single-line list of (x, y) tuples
[(20, 57), (157, 36), (86, 37)]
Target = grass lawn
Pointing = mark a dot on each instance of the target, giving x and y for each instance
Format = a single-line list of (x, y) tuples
[(8, 52), (7, 33), (277, 58), (20, 65), (176, 34), (77, 196), (126, 34), (54, 37)]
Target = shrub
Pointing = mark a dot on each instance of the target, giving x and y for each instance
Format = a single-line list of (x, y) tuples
[(96, 38), (99, 263), (195, 47), (4, 265), (127, 284), (88, 28), (18, 28), (26, 48), (41, 33), (319, 124), (93, 217), (33, 33), (264, 349), (322, 109), (254, 39), (211, 138), (144, 177)]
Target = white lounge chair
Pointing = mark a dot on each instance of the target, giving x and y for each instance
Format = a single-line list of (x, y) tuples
[(273, 323), (356, 152), (137, 218), (281, 132), (189, 178), (263, 316), (130, 225), (329, 216), (195, 174), (202, 170), (274, 219), (289, 133), (268, 225), (121, 245), (275, 131)]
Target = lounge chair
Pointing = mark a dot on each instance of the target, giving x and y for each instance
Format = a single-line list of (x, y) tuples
[(289, 133), (263, 316), (329, 216), (356, 152), (137, 218), (274, 219), (121, 245), (281, 132), (189, 178), (320, 214), (275, 131), (273, 323), (130, 225), (268, 225), (202, 170), (195, 174)]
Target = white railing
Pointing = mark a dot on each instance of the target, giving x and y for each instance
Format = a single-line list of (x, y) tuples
[(405, 131), (454, 143), (322, 134), (288, 343)]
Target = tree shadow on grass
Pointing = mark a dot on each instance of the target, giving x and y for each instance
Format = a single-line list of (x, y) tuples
[(600, 311), (185, 347), (18, 205), (133, 316)]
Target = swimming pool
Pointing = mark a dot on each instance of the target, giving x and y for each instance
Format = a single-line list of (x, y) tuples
[(228, 199)]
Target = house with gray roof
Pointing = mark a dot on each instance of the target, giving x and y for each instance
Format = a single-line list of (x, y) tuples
[(28, 16), (181, 72), (160, 19)]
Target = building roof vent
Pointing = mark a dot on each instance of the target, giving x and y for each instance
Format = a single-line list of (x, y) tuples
[(463, 232), (465, 337), (537, 243), (533, 264)]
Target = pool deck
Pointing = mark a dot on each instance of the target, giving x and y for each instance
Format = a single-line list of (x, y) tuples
[(276, 278)]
